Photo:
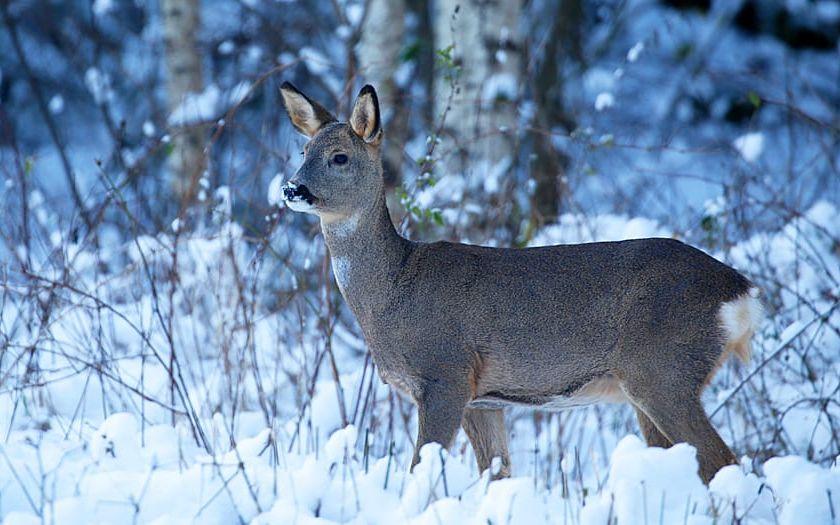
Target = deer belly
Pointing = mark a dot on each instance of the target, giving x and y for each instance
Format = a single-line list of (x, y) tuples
[(600, 390)]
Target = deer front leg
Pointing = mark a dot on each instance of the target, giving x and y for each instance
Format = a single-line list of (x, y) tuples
[(487, 433), (440, 409)]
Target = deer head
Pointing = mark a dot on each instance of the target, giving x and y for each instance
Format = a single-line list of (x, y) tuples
[(341, 173)]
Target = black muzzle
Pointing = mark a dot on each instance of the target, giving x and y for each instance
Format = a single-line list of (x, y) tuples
[(293, 192)]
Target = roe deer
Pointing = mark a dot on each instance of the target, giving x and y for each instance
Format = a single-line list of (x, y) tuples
[(465, 330)]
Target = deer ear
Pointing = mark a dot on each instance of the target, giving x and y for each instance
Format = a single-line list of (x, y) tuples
[(365, 117), (307, 116)]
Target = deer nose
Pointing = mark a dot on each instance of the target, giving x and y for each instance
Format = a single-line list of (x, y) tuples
[(292, 191)]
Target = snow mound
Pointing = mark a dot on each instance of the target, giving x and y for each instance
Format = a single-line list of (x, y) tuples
[(573, 228), (119, 478), (750, 146)]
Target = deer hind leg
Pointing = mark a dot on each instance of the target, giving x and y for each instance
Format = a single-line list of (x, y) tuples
[(652, 435), (681, 419), (487, 433)]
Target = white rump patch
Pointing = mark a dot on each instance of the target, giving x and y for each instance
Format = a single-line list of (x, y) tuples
[(740, 318)]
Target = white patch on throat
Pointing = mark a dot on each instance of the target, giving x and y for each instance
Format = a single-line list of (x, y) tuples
[(340, 228), (341, 270), (344, 226)]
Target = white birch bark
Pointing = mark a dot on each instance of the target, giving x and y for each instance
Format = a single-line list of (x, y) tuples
[(378, 52), (482, 115), (181, 21)]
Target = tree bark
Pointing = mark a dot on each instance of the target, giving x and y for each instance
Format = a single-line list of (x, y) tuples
[(481, 117), (379, 57), (181, 20), (562, 46)]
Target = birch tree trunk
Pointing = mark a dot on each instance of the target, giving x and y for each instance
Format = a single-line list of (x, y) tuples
[(481, 117), (379, 57), (562, 47), (181, 21)]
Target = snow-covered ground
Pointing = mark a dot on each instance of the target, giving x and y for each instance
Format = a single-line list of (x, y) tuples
[(111, 478), (274, 425)]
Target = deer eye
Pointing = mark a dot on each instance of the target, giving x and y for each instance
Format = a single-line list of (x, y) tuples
[(340, 158)]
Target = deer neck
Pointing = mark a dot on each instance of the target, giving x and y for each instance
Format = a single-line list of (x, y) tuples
[(367, 254)]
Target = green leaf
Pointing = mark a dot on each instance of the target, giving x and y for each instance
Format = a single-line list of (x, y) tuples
[(754, 99), (444, 57), (411, 51), (28, 165), (445, 53)]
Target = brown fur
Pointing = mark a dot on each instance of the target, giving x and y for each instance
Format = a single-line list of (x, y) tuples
[(475, 374)]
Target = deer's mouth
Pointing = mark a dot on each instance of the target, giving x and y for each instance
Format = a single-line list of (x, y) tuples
[(298, 197)]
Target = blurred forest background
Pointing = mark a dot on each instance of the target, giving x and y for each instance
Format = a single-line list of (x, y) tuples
[(148, 266), (540, 107)]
